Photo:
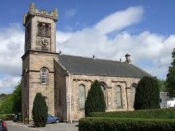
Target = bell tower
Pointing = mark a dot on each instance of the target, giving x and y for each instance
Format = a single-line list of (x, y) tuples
[(38, 58), (40, 29)]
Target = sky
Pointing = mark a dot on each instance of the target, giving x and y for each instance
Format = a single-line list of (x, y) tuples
[(107, 29)]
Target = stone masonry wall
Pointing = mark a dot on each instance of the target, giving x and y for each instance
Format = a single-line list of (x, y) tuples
[(111, 82), (60, 92)]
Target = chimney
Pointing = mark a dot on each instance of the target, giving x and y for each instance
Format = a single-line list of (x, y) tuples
[(128, 59)]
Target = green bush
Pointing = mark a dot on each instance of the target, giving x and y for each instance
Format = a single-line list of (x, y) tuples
[(113, 124), (147, 94), (39, 111), (168, 113), (95, 100), (6, 116)]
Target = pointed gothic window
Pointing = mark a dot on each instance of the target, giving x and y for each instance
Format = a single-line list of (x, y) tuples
[(118, 97), (44, 75), (82, 96)]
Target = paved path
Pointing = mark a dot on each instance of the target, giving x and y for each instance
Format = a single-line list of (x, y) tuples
[(49, 127)]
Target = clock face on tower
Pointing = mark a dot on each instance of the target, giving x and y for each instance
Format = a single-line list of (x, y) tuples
[(43, 36)]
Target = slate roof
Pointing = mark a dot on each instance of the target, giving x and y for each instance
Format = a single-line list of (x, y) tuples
[(89, 66)]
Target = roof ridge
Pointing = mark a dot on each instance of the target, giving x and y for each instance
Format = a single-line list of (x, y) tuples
[(102, 67), (92, 58)]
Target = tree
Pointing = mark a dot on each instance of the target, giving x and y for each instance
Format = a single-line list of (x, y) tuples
[(12, 103), (161, 83), (147, 94), (39, 111), (170, 80), (6, 105), (17, 99), (95, 100)]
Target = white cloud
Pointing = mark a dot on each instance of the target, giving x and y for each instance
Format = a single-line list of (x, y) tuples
[(120, 20), (11, 50), (8, 84), (150, 51)]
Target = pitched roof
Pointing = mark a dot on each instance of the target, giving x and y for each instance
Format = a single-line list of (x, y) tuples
[(89, 66)]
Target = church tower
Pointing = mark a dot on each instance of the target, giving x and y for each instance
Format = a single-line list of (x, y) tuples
[(38, 58)]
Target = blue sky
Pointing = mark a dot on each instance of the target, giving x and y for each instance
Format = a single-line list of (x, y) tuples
[(107, 29)]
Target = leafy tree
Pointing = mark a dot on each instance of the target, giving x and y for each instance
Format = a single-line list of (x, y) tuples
[(147, 94), (11, 103), (2, 97), (95, 100), (6, 105), (17, 99), (161, 84), (39, 111), (170, 80)]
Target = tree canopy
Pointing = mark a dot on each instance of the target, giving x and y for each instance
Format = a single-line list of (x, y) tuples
[(170, 80), (12, 103), (147, 94), (95, 100), (39, 111)]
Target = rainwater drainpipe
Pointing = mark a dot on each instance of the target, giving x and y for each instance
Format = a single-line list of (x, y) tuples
[(70, 100)]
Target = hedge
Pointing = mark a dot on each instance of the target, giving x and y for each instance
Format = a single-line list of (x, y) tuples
[(6, 116), (168, 113), (124, 124)]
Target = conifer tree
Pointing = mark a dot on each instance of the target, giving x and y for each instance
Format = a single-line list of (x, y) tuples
[(95, 100), (39, 111), (147, 94), (170, 80)]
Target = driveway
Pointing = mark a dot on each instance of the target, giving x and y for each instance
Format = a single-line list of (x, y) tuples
[(49, 127)]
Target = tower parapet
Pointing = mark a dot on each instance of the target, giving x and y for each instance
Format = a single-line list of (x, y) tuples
[(33, 11)]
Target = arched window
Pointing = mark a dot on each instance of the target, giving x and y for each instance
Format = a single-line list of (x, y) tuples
[(103, 87), (44, 29), (44, 75), (132, 94), (118, 97), (82, 96)]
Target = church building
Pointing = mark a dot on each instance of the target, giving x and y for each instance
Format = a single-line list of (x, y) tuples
[(64, 80)]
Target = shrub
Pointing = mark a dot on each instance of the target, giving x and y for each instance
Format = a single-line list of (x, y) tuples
[(6, 116), (113, 124), (147, 94), (95, 100), (39, 111), (168, 113)]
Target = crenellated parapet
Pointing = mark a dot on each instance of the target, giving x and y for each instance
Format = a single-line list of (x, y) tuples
[(33, 11)]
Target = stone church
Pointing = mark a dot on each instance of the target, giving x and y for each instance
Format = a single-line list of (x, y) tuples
[(64, 80)]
